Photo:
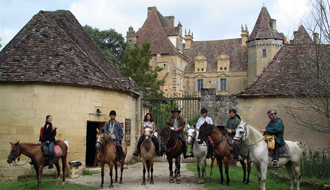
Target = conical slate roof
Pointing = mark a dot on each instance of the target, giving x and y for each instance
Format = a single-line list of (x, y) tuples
[(54, 48)]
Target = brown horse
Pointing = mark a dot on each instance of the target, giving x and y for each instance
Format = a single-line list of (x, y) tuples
[(172, 147), (148, 152), (34, 152), (221, 147), (107, 154)]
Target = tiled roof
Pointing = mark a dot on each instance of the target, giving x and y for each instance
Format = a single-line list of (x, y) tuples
[(54, 48), (153, 32), (172, 31), (301, 36), (212, 49), (262, 28), (288, 73)]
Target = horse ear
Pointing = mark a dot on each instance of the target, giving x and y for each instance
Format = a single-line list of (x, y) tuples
[(11, 143), (102, 130), (97, 130), (17, 143)]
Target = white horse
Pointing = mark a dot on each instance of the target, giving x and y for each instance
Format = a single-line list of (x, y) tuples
[(199, 151), (261, 159)]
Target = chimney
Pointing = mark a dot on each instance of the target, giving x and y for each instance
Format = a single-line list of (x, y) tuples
[(273, 24), (151, 8), (188, 39), (316, 38), (244, 34), (171, 19)]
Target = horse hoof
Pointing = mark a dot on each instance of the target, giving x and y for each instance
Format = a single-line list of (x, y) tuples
[(116, 181), (201, 181), (63, 183), (143, 183), (178, 181), (101, 186), (171, 181), (120, 182), (110, 186), (151, 182)]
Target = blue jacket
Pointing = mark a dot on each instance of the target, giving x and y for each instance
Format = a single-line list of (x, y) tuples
[(276, 128), (117, 128)]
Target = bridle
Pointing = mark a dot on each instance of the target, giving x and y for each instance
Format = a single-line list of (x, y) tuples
[(17, 157), (240, 139)]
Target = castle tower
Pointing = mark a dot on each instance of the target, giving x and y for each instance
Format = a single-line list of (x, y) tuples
[(131, 37), (263, 43)]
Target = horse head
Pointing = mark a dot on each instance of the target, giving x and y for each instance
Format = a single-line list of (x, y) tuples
[(165, 134), (14, 153), (191, 133), (147, 133), (101, 139), (241, 132), (204, 131)]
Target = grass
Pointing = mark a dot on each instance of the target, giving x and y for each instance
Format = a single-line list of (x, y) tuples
[(48, 184), (236, 178)]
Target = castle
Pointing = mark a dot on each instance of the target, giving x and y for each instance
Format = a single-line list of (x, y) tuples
[(229, 65)]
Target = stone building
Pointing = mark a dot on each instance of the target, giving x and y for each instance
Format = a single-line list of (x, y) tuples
[(228, 65), (53, 67)]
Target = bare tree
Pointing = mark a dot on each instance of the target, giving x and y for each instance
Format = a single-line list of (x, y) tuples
[(312, 91)]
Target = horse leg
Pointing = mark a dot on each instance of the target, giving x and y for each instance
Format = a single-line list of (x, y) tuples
[(211, 172), (152, 172), (177, 174), (203, 171), (170, 167), (148, 169), (63, 169), (288, 167), (102, 175), (111, 181), (121, 173), (198, 169), (37, 170), (219, 160), (39, 176), (263, 170), (244, 170), (144, 172), (116, 177), (248, 170), (259, 175), (296, 169), (58, 172), (226, 159)]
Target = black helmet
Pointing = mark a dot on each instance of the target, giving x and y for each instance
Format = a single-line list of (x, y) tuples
[(271, 111), (112, 112), (203, 110)]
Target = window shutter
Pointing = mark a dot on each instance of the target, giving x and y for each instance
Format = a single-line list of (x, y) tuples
[(196, 85), (226, 89)]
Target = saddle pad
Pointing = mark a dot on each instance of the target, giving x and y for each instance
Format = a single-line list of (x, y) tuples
[(147, 148), (114, 147), (58, 151), (283, 152)]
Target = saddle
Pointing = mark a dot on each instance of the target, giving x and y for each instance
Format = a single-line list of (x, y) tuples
[(114, 147), (284, 152), (57, 149)]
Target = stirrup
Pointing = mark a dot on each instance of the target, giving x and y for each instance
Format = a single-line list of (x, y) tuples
[(275, 163), (136, 154), (190, 154)]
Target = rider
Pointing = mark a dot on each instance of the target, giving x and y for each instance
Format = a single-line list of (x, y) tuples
[(47, 137), (177, 123), (231, 125), (148, 122), (275, 127), (114, 131), (204, 118)]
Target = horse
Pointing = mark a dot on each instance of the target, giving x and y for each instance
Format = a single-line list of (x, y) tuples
[(107, 155), (199, 152), (148, 152), (221, 147), (34, 152), (171, 144), (260, 156)]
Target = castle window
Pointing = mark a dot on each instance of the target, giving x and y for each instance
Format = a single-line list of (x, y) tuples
[(220, 68), (198, 85), (225, 68), (197, 69), (202, 69), (264, 53), (223, 85)]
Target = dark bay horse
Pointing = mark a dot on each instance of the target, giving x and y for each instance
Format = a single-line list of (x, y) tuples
[(172, 147), (221, 151), (34, 152), (108, 155)]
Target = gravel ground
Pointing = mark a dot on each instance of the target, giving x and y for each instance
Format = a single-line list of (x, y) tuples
[(132, 179)]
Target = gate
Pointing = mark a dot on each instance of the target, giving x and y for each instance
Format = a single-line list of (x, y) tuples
[(161, 108)]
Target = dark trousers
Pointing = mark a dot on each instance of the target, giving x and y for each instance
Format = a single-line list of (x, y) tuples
[(154, 140), (184, 146), (276, 152)]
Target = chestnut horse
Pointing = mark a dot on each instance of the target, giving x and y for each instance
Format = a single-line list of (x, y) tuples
[(148, 152), (107, 154), (221, 147), (172, 147), (34, 152)]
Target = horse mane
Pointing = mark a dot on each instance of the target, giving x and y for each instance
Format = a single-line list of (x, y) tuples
[(253, 131)]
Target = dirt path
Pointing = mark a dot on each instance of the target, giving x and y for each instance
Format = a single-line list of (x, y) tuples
[(132, 178)]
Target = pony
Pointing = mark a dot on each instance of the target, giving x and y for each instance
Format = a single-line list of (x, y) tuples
[(199, 151), (260, 156), (108, 155), (148, 152), (171, 144), (34, 152)]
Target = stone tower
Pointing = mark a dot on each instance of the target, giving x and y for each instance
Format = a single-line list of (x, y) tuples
[(131, 37), (263, 43)]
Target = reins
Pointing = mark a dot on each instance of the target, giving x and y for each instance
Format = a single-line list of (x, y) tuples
[(16, 164)]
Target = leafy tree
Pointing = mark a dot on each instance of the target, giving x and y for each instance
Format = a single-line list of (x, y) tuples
[(138, 68), (110, 42)]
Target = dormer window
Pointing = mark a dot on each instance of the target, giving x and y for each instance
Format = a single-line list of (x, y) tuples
[(220, 68), (202, 69), (200, 63), (225, 68), (223, 62)]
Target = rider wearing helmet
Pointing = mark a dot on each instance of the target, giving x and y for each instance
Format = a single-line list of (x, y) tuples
[(204, 118), (275, 127)]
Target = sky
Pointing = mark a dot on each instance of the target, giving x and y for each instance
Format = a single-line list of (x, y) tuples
[(208, 20)]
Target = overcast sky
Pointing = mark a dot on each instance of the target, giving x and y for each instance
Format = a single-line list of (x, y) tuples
[(209, 19)]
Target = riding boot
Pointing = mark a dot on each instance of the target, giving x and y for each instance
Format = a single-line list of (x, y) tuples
[(275, 157), (50, 161), (191, 154), (158, 153), (210, 151), (184, 149), (137, 152), (120, 154)]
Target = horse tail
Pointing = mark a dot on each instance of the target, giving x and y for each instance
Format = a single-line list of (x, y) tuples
[(64, 148)]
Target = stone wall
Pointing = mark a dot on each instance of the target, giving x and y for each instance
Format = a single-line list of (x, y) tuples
[(23, 109)]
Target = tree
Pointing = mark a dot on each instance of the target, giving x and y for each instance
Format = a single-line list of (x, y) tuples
[(0, 42), (111, 43), (138, 68), (313, 108)]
